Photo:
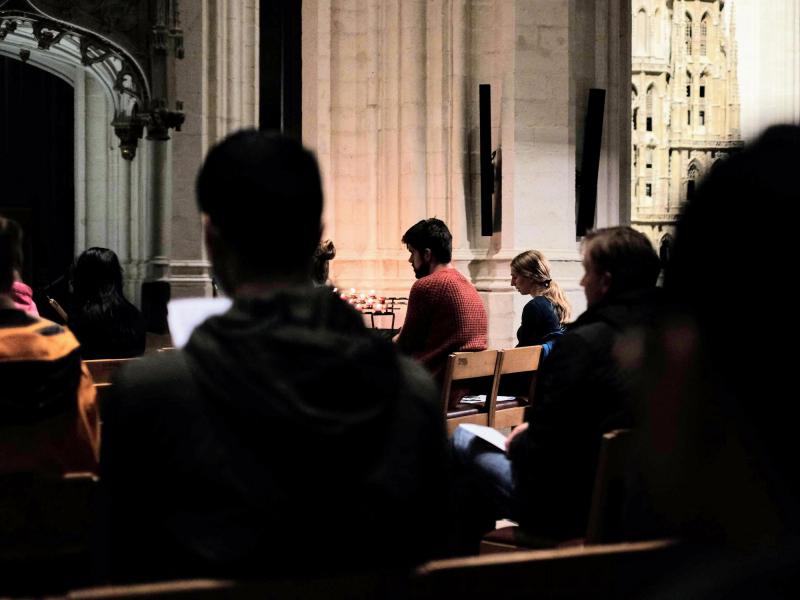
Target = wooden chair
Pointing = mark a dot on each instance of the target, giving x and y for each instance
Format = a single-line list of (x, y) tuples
[(609, 571), (103, 369), (460, 367), (609, 493), (45, 530), (389, 585), (101, 391), (605, 510), (523, 362)]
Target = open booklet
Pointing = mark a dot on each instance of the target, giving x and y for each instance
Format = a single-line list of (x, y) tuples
[(494, 437), (185, 314)]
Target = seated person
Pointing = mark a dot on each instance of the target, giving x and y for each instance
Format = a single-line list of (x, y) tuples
[(323, 255), (105, 323), (544, 316), (284, 437), (720, 443), (545, 480), (445, 313), (48, 417)]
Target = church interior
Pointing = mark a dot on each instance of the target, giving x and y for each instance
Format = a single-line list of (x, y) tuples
[(598, 114)]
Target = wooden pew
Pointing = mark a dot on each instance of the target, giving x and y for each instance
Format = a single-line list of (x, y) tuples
[(615, 571), (606, 571), (103, 369), (605, 511)]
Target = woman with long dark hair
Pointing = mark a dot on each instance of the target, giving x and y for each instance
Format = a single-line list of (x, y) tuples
[(105, 323)]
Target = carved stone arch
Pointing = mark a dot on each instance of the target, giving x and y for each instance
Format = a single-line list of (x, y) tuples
[(641, 33), (694, 170), (665, 248), (115, 54), (110, 40)]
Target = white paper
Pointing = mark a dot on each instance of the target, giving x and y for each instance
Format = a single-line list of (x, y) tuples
[(481, 399), (494, 437), (187, 313)]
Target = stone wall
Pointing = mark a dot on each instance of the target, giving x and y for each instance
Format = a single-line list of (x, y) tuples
[(390, 104)]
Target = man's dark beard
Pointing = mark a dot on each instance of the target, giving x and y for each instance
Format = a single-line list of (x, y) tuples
[(423, 271)]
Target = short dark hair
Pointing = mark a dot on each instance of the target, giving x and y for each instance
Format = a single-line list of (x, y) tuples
[(263, 191), (10, 252), (626, 254), (432, 234)]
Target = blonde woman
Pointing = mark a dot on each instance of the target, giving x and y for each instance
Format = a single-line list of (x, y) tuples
[(544, 316)]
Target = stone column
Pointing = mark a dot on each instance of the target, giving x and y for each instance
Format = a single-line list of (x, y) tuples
[(390, 103), (217, 81), (159, 188)]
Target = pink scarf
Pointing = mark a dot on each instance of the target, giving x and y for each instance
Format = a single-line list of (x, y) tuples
[(22, 295)]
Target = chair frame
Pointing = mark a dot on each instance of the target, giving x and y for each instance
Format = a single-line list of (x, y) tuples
[(468, 365), (525, 359)]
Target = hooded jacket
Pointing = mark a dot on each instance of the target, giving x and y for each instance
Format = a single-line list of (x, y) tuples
[(582, 394), (285, 436)]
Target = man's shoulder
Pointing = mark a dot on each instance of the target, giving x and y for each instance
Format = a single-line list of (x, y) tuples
[(446, 283), (161, 375)]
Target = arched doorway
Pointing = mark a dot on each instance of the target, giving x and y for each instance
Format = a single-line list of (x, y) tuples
[(37, 166), (120, 75)]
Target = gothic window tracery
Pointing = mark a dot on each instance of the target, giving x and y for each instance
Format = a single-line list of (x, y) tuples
[(687, 36), (703, 34)]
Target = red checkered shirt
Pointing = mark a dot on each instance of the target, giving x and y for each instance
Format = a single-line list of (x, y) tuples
[(445, 314)]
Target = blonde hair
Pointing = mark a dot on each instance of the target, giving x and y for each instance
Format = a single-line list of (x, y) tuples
[(535, 266)]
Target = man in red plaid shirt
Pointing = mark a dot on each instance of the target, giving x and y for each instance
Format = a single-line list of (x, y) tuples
[(445, 313)]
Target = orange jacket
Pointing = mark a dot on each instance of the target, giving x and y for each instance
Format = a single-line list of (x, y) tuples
[(48, 415)]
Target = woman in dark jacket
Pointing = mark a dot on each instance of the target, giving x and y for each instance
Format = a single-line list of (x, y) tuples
[(544, 315), (106, 324)]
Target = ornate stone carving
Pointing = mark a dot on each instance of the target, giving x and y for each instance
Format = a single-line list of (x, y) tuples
[(126, 43)]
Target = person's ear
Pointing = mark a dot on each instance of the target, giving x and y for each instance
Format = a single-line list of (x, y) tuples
[(210, 232), (427, 255), (605, 282)]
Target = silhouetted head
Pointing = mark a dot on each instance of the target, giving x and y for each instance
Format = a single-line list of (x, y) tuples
[(430, 243), (10, 252), (96, 273), (261, 197), (718, 377), (617, 260)]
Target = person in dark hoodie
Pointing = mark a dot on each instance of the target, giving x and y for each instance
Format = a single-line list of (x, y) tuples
[(544, 482), (284, 437)]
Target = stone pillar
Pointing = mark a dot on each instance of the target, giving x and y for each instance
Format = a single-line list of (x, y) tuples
[(390, 103), (159, 188), (217, 81)]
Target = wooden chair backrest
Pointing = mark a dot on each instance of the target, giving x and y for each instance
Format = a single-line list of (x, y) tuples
[(608, 495), (103, 369), (468, 365), (514, 360), (564, 573)]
